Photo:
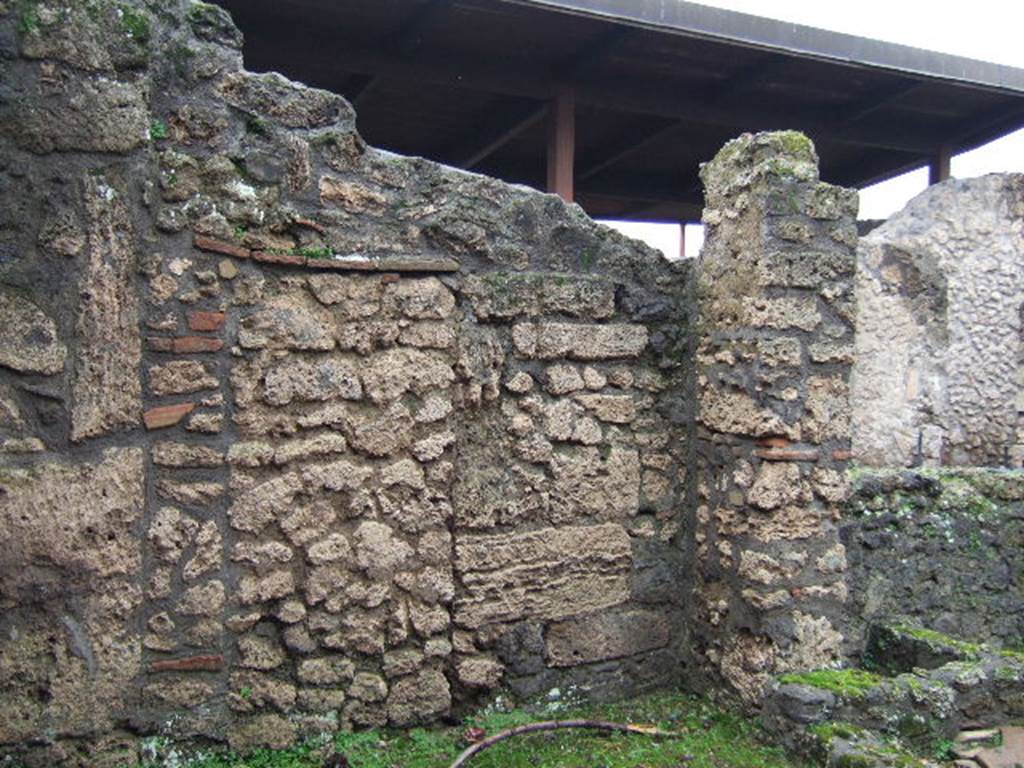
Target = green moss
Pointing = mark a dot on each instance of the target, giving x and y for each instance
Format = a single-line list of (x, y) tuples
[(795, 143), (157, 130), (849, 683), (135, 24), (825, 732), (315, 253), (256, 125), (28, 16), (932, 637)]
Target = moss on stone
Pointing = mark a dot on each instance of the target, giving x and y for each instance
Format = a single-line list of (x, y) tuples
[(930, 636), (826, 732), (848, 683), (135, 24)]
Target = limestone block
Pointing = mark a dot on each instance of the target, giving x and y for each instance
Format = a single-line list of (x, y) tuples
[(776, 484), (480, 672), (353, 197), (424, 298), (106, 388), (258, 652), (351, 297), (561, 379), (546, 574), (254, 509), (315, 380), (91, 114), (288, 322), (614, 409), (180, 377), (736, 413), (389, 375), (270, 95), (609, 635), (505, 295), (548, 341), (203, 600), (71, 522), (585, 484), (367, 686), (326, 671), (418, 698), (259, 589), (29, 341), (378, 551)]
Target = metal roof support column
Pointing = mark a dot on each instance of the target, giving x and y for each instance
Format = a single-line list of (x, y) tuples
[(562, 143), (938, 166)]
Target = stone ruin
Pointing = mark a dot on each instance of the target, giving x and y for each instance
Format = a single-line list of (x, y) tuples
[(298, 434)]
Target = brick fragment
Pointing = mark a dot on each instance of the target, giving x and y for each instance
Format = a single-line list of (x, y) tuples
[(212, 245), (278, 258), (787, 454), (201, 663), (205, 321), (166, 415), (185, 345), (841, 454)]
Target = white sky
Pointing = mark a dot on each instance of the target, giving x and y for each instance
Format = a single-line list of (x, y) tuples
[(990, 30)]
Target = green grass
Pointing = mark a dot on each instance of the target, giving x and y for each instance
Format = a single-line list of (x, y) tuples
[(708, 737)]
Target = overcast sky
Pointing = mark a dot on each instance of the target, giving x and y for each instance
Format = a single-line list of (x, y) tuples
[(990, 30)]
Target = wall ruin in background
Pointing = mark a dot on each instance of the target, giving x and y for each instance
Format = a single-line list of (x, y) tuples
[(937, 377)]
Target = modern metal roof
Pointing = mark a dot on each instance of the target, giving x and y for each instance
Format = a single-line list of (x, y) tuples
[(658, 87)]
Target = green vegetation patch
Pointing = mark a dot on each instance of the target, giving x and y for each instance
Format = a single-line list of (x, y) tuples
[(930, 636), (708, 737), (849, 683)]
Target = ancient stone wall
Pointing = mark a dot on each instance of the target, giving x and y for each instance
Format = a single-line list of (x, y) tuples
[(938, 372), (775, 336), (940, 549), (299, 434)]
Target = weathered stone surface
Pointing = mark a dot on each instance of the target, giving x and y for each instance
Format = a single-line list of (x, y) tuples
[(29, 341), (418, 698), (480, 672), (737, 413), (255, 509), (171, 454), (377, 549), (605, 636), (306, 381), (506, 295), (289, 103), (180, 377), (68, 524), (266, 731), (257, 652), (351, 297), (614, 409), (91, 115), (259, 589), (547, 341), (550, 574), (203, 600), (288, 322), (391, 374), (586, 484), (107, 388), (326, 671)]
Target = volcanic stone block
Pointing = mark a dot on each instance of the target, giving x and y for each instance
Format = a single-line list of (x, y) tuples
[(605, 636), (551, 573)]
